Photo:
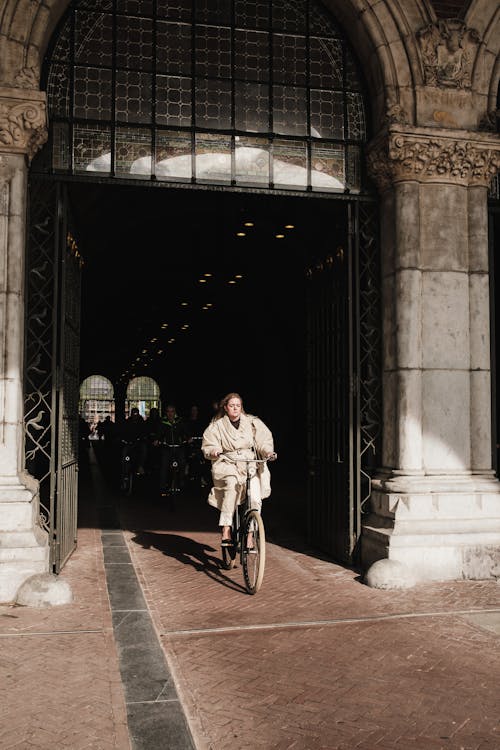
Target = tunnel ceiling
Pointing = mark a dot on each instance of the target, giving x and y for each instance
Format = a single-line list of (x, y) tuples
[(149, 251)]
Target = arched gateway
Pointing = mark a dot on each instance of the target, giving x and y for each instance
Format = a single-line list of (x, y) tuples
[(432, 85), (243, 95)]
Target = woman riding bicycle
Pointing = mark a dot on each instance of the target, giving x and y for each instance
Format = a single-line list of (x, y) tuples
[(235, 434)]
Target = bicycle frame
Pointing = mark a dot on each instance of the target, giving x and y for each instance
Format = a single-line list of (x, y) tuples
[(128, 461), (247, 526), (174, 465)]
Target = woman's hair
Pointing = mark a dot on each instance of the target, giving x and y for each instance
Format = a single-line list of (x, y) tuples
[(224, 401)]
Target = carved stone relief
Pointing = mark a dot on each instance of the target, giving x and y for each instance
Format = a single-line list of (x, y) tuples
[(448, 52), (28, 78), (431, 158), (23, 125)]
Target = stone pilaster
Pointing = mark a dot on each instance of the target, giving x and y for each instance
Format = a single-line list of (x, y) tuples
[(436, 501), (23, 543)]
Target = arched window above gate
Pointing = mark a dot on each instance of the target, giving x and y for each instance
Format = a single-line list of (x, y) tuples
[(144, 393), (243, 92)]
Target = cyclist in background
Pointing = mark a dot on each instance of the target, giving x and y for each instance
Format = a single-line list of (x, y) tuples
[(239, 435), (153, 429), (197, 467), (134, 440), (172, 432)]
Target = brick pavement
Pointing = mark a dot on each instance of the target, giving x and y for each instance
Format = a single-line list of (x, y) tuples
[(60, 686), (314, 661)]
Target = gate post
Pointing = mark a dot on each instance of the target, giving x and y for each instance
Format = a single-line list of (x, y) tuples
[(435, 504), (23, 544)]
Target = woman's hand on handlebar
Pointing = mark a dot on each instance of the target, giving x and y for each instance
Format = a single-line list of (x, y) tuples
[(272, 456)]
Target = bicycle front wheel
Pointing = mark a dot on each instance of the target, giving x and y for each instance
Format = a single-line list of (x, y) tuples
[(126, 485), (254, 552)]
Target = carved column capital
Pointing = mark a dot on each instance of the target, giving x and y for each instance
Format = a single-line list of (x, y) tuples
[(458, 157), (23, 121)]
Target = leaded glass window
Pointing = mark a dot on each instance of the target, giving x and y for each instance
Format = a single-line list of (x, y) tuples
[(232, 92), (143, 393), (96, 400)]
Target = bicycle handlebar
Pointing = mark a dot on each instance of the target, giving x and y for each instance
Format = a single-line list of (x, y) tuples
[(248, 460)]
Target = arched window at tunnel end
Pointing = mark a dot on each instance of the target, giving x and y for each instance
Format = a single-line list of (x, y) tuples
[(97, 400), (143, 393)]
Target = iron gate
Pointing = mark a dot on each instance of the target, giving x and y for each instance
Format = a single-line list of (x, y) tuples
[(343, 382), (52, 364)]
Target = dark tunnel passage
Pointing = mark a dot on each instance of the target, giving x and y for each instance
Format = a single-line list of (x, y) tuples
[(205, 291)]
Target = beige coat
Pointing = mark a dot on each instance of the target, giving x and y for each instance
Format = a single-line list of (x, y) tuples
[(220, 435)]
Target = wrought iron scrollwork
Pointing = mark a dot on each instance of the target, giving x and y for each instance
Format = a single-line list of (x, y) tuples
[(370, 368), (40, 283)]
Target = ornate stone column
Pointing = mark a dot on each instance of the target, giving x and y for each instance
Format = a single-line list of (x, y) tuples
[(23, 544), (436, 502)]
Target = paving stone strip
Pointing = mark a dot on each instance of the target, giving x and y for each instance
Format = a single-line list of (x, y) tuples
[(155, 716), (472, 615)]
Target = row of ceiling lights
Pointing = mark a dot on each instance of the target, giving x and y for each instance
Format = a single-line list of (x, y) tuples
[(145, 356), (278, 236), (204, 279)]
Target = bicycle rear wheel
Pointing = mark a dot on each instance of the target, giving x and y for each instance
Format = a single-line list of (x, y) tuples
[(254, 553)]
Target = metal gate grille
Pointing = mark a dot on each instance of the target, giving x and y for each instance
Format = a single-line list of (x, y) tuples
[(328, 396), (370, 347), (51, 364), (343, 382)]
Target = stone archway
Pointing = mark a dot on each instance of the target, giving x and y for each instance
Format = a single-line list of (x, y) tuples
[(433, 88)]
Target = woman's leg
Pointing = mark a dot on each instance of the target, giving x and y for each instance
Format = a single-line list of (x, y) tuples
[(255, 494), (228, 506)]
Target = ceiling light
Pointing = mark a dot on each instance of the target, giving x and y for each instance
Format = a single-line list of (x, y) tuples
[(202, 281), (240, 234), (165, 325), (184, 304), (207, 274), (249, 223), (289, 226), (238, 276), (160, 351), (232, 281), (209, 304), (144, 351), (279, 236), (152, 341)]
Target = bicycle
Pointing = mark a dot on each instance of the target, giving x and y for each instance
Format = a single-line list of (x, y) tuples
[(128, 461), (248, 536), (172, 477), (198, 467)]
